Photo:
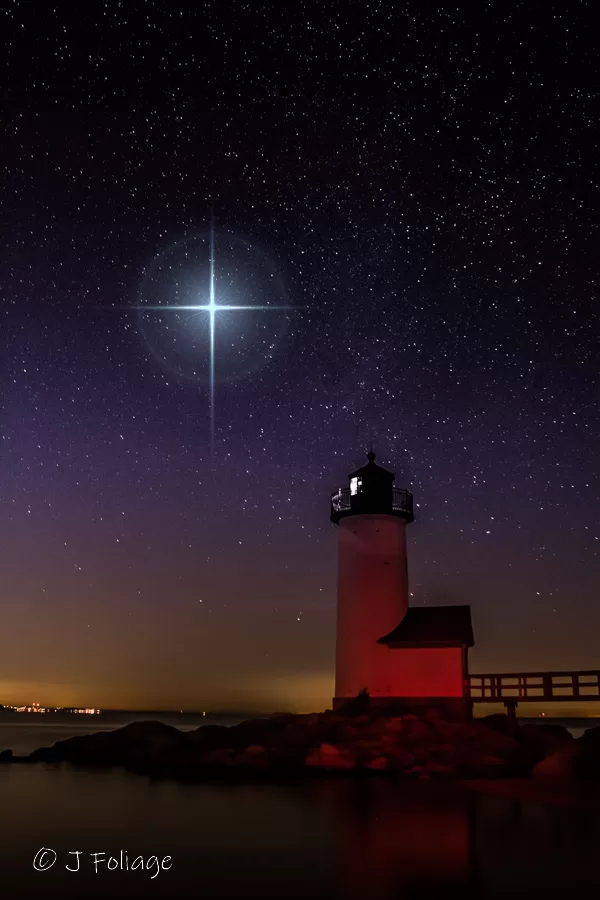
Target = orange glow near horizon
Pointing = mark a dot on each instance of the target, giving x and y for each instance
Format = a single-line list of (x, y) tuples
[(291, 693)]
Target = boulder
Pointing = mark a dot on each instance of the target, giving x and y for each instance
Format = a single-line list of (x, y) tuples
[(557, 767), (138, 741), (379, 763), (311, 721), (488, 767), (6, 756), (262, 732), (539, 741), (501, 723), (551, 736), (479, 749), (394, 725), (209, 737), (400, 760), (224, 757), (254, 756), (328, 756), (586, 764), (438, 770), (591, 737)]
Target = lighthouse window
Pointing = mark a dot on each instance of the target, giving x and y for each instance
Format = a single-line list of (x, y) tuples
[(355, 486)]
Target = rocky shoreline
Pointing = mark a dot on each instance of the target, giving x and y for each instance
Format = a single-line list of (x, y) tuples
[(425, 747)]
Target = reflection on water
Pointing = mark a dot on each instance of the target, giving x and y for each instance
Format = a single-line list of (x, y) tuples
[(329, 838), (396, 840)]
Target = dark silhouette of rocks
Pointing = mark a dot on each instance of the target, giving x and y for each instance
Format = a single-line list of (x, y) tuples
[(6, 756), (558, 766), (540, 741), (360, 743), (501, 723), (586, 764), (146, 741)]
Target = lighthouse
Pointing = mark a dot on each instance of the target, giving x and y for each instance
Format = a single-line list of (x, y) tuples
[(405, 658)]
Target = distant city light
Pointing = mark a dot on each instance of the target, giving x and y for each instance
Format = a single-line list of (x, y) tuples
[(36, 708)]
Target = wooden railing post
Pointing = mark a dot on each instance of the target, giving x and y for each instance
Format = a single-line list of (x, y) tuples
[(547, 682)]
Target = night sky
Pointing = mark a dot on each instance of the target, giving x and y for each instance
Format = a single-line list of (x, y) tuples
[(417, 185)]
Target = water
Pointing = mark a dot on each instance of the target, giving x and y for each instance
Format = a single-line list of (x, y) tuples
[(330, 838)]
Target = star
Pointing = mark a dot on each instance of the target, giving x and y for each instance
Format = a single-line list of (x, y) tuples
[(212, 308)]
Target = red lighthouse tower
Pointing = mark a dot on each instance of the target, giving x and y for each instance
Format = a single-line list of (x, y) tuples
[(406, 658)]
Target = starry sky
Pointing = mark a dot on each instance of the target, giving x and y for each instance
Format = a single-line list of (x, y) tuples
[(413, 188)]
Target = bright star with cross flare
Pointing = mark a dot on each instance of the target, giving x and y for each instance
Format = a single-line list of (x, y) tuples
[(212, 308)]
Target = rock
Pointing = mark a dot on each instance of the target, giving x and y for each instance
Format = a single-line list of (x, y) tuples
[(539, 741), (209, 737), (432, 715), (335, 730), (399, 759), (591, 736), (6, 756), (501, 723), (138, 741), (550, 736), (439, 770), (255, 756), (557, 767), (379, 763), (563, 760), (264, 732), (586, 764), (288, 743), (576, 760), (417, 731), (224, 757), (470, 747), (488, 767), (327, 756), (393, 726), (312, 720)]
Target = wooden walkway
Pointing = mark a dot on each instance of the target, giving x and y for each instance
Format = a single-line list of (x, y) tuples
[(512, 688)]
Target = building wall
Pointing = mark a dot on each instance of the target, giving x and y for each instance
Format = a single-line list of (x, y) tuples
[(372, 598), (413, 673), (427, 672)]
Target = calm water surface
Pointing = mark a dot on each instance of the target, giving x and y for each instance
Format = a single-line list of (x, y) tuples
[(329, 838)]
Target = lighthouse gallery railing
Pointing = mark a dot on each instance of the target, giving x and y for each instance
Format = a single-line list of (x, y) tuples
[(402, 501)]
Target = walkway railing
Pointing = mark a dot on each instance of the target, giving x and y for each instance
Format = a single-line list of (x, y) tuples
[(512, 688)]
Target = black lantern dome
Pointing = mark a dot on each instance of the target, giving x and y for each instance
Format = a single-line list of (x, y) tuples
[(371, 491)]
